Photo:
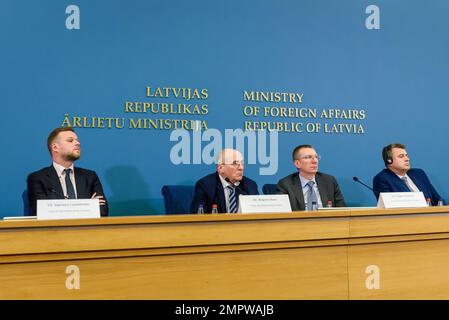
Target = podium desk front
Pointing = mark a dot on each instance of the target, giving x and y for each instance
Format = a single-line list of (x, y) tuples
[(338, 254)]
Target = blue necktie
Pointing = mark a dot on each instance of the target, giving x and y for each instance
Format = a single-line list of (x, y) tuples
[(69, 185), (311, 196), (232, 200)]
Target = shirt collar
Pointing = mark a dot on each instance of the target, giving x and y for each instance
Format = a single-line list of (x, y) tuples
[(225, 183), (305, 181), (60, 169), (405, 175)]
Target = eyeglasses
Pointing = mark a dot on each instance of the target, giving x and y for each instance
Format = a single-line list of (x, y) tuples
[(236, 163), (310, 157)]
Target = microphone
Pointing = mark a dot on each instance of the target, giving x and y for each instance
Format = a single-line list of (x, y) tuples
[(357, 180)]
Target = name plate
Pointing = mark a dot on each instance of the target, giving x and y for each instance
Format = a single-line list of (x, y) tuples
[(277, 203), (401, 200), (68, 209)]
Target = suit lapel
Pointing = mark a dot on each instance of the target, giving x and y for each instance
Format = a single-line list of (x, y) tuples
[(399, 183), (80, 183), (416, 180), (240, 189), (322, 189), (55, 189), (297, 191), (219, 195)]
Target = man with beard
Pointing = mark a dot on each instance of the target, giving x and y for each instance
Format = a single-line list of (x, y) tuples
[(223, 187), (62, 180)]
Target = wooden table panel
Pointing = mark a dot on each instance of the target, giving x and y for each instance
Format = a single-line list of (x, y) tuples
[(302, 255), (255, 274), (408, 270)]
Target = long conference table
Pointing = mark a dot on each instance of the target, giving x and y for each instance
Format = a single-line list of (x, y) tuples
[(333, 254)]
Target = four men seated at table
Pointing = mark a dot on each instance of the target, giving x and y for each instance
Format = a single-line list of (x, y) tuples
[(307, 189)]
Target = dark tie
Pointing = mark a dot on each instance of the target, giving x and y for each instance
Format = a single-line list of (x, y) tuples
[(406, 183), (232, 200), (69, 185), (311, 196)]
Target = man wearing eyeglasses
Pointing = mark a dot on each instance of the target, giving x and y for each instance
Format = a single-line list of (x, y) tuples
[(399, 177), (223, 187), (308, 189)]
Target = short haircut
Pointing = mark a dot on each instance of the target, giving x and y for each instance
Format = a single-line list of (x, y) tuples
[(387, 151), (52, 136), (222, 155), (302, 146)]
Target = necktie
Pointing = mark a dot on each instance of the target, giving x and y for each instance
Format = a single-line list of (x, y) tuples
[(311, 196), (406, 183), (69, 185), (232, 200)]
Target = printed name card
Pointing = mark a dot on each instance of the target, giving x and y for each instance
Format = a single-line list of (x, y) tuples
[(277, 203), (401, 200), (68, 209)]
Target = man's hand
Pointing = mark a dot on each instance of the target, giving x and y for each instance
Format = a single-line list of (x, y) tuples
[(101, 198)]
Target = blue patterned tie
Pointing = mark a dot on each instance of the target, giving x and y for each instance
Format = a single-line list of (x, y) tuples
[(69, 185), (311, 196), (232, 200), (406, 183)]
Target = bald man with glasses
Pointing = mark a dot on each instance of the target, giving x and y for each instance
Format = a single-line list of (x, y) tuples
[(224, 186), (308, 189)]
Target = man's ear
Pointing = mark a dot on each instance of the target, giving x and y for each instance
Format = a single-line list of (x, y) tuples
[(54, 147), (297, 164)]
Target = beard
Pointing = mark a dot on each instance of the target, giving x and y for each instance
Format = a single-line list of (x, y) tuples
[(72, 156)]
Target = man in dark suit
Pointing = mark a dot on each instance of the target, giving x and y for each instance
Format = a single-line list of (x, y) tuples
[(62, 180), (308, 189), (223, 187), (399, 177)]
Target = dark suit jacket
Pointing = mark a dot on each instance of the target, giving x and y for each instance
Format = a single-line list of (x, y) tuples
[(388, 181), (44, 184), (327, 186), (209, 190)]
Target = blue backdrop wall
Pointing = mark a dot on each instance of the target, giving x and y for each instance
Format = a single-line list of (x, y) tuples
[(95, 65)]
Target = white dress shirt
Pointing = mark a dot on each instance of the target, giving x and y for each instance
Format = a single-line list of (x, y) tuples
[(227, 192), (61, 175), (306, 190)]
